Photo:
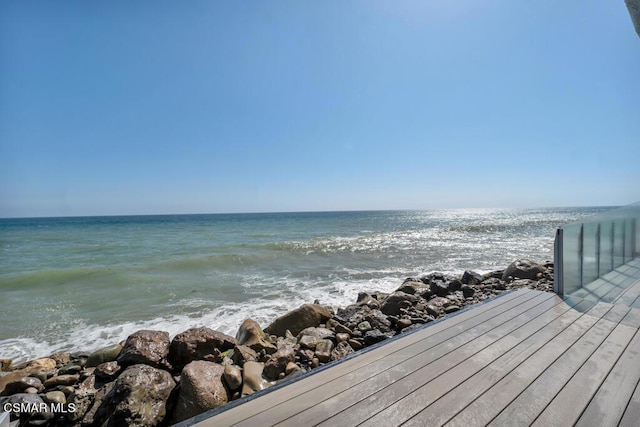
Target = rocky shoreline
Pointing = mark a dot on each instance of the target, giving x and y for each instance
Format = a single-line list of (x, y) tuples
[(152, 380)]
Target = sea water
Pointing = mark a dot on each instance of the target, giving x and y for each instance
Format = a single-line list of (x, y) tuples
[(85, 282)]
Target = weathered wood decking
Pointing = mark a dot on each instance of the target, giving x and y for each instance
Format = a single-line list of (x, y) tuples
[(525, 358)]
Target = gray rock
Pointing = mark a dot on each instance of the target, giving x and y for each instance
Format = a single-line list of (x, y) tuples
[(70, 369), (468, 291), (61, 380), (105, 354), (374, 336), (393, 304), (138, 398), (243, 354), (98, 400), (233, 376), (199, 344), (305, 316), (55, 397), (472, 278), (343, 349), (412, 286), (364, 326), (320, 333), (308, 341), (323, 350), (107, 371), (145, 347), (523, 269), (251, 335), (278, 361)]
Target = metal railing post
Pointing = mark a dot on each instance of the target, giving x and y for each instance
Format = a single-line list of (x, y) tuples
[(558, 284)]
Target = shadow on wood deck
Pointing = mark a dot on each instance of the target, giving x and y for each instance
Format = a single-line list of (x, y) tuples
[(524, 358)]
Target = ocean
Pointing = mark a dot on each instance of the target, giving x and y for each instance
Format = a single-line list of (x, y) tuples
[(85, 282)]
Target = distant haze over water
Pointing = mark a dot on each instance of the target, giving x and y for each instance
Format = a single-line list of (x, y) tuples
[(86, 282)]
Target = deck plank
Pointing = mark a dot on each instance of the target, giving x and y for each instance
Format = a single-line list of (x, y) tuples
[(484, 347), (523, 394), (555, 338), (568, 405), (608, 405)]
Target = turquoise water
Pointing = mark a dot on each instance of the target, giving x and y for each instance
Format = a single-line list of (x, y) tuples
[(80, 283)]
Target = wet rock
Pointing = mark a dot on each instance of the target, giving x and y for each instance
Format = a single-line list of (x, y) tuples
[(145, 347), (251, 334), (22, 384), (343, 349), (472, 278), (305, 316), (107, 371), (199, 344), (243, 354), (43, 364), (522, 269), (393, 304), (138, 397), (323, 350), (105, 354), (233, 377), (454, 285), (278, 361), (252, 380)]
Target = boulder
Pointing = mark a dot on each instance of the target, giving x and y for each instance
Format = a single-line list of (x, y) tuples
[(278, 361), (107, 371), (472, 278), (523, 269), (468, 291), (305, 316), (61, 380), (138, 398), (251, 334), (397, 301), (87, 414), (439, 288), (199, 344), (320, 333), (374, 337), (412, 286), (105, 354), (201, 388), (252, 380), (145, 347), (233, 376), (341, 350), (323, 350), (55, 397), (21, 384), (5, 364), (243, 354)]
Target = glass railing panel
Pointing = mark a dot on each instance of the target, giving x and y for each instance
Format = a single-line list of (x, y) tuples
[(590, 232), (606, 247), (618, 243), (628, 239), (571, 258)]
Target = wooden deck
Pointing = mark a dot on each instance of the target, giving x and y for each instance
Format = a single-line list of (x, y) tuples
[(525, 358)]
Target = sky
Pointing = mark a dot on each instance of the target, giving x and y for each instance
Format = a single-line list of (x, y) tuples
[(151, 107)]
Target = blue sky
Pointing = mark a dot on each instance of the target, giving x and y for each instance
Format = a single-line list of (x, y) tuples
[(119, 107)]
